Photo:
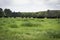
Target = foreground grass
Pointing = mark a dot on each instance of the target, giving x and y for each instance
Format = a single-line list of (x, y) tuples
[(29, 29)]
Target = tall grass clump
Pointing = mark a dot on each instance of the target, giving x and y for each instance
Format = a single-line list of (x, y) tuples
[(30, 24), (53, 34), (13, 25), (27, 24)]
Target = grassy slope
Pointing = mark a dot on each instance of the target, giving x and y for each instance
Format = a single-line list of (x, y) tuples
[(29, 29)]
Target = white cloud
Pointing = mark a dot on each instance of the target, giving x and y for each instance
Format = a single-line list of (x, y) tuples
[(19, 2), (30, 5), (53, 1), (5, 3), (39, 2)]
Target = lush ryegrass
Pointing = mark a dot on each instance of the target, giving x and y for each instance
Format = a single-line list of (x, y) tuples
[(29, 29)]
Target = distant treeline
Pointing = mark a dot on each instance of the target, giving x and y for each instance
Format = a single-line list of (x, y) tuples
[(41, 14)]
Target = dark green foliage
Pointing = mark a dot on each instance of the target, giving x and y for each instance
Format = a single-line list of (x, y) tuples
[(1, 12), (41, 14), (53, 13), (8, 12)]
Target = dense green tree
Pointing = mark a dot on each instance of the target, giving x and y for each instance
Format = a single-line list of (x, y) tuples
[(8, 12), (1, 12)]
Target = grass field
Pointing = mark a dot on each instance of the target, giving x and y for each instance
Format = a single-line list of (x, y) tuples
[(29, 29)]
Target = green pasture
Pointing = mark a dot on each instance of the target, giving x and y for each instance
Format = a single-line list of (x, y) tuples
[(29, 29)]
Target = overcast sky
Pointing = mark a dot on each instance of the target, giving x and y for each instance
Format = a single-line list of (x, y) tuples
[(30, 5)]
